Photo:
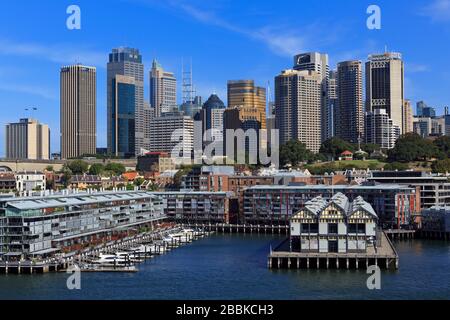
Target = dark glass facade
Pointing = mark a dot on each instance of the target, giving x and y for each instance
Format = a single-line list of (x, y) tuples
[(123, 124)]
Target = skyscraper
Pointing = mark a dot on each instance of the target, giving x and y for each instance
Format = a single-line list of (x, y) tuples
[(407, 117), (27, 139), (298, 104), (318, 62), (332, 103), (163, 89), (419, 108), (78, 111), (385, 85), (350, 114), (123, 123), (213, 102), (244, 93), (127, 62), (179, 125), (243, 118), (380, 129)]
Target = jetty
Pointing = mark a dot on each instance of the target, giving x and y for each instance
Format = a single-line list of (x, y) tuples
[(383, 255)]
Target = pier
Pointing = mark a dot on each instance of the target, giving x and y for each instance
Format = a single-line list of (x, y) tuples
[(400, 234), (154, 242), (384, 256), (240, 228)]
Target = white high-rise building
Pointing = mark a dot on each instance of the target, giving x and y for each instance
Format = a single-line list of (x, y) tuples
[(385, 85), (381, 130), (163, 89), (173, 133)]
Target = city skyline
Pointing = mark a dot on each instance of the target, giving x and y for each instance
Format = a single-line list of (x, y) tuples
[(36, 84)]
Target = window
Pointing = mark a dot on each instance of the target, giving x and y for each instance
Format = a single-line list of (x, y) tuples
[(332, 228), (309, 228), (356, 228)]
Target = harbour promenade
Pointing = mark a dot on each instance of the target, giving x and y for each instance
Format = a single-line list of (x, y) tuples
[(84, 258)]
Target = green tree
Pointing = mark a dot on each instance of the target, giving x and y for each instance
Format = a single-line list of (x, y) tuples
[(139, 181), (96, 169), (116, 168), (370, 147), (394, 166), (412, 147), (66, 176), (49, 168), (294, 153), (78, 166), (441, 166), (443, 144), (333, 147)]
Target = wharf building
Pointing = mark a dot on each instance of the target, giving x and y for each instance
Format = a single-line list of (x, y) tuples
[(395, 204), (433, 190), (201, 208), (50, 224), (436, 222), (337, 225)]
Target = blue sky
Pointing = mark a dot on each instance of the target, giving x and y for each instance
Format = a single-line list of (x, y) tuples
[(226, 39)]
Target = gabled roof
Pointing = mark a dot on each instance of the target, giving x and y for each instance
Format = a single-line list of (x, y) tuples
[(360, 204), (316, 205), (341, 200)]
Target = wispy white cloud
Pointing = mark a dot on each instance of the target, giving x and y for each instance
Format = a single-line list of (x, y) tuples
[(42, 92), (416, 68), (282, 40), (59, 53), (438, 10)]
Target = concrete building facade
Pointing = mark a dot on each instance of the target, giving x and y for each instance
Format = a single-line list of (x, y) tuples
[(163, 89), (385, 85), (27, 139), (298, 105)]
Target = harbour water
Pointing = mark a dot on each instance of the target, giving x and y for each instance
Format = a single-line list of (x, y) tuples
[(235, 267)]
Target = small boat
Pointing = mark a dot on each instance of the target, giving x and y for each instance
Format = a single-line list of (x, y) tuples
[(109, 259)]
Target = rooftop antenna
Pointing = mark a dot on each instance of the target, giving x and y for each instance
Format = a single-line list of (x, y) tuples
[(188, 87), (269, 99)]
